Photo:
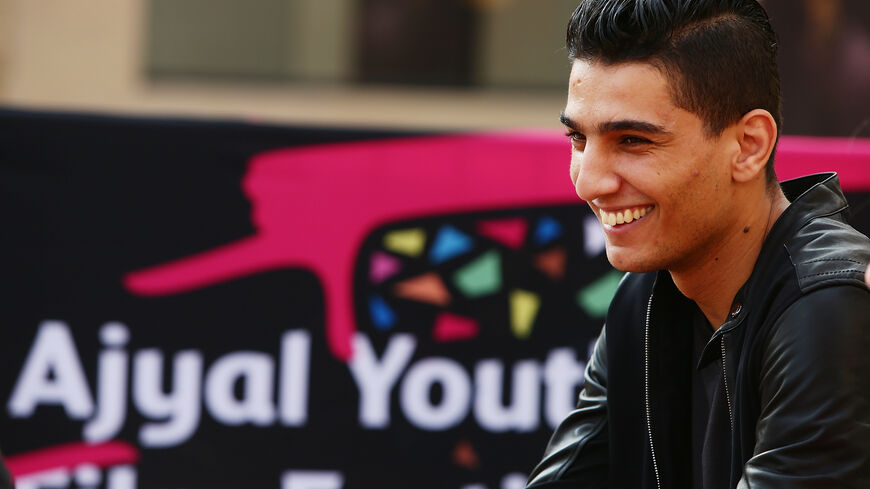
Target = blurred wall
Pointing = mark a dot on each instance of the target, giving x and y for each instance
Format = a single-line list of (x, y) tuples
[(146, 56), (90, 55), (538, 58), (71, 52), (825, 62)]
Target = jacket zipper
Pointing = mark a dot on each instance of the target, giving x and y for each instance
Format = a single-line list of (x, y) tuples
[(647, 396), (646, 392), (725, 379)]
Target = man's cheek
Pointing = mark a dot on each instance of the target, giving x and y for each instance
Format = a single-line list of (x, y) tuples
[(574, 171)]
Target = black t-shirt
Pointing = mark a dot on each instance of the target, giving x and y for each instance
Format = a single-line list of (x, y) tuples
[(711, 422)]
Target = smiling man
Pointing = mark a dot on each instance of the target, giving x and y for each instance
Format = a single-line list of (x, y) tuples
[(735, 353)]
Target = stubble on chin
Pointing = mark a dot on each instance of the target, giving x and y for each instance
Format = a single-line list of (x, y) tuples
[(623, 261)]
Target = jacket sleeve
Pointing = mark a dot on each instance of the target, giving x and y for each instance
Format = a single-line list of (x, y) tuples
[(577, 454), (814, 428)]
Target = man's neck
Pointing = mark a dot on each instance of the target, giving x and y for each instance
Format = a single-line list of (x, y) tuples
[(714, 280)]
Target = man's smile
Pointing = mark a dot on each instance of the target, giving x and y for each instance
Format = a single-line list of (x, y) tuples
[(623, 216)]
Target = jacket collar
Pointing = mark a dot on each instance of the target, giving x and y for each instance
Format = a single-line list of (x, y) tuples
[(810, 197)]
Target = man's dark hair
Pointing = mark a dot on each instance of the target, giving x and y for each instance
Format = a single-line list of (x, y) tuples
[(718, 55)]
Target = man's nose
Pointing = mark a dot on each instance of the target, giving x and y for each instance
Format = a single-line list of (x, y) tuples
[(593, 173)]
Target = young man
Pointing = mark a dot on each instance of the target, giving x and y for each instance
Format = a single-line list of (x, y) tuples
[(736, 353)]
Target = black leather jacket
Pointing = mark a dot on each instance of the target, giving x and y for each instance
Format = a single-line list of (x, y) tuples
[(796, 358)]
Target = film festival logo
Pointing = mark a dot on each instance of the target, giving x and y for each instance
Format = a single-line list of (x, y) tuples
[(451, 232), (417, 242)]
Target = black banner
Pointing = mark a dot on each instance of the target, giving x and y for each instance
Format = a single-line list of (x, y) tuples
[(192, 304)]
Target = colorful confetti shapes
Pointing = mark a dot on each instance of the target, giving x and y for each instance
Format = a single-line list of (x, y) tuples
[(524, 306), (595, 298), (552, 263), (451, 276), (510, 232), (427, 288), (465, 456), (409, 242), (449, 243), (547, 230), (593, 236), (383, 266), (451, 327), (480, 277), (382, 315)]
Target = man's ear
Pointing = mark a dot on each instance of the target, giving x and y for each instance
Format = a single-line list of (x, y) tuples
[(756, 136)]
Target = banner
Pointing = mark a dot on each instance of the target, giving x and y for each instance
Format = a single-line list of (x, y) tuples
[(194, 304)]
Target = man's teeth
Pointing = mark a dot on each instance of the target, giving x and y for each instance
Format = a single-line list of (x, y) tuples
[(623, 217)]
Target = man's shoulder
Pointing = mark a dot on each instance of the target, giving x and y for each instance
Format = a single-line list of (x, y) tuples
[(829, 258), (827, 252)]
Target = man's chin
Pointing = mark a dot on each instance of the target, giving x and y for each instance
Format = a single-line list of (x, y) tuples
[(625, 263)]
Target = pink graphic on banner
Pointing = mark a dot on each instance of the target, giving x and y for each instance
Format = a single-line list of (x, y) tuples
[(71, 455), (510, 232), (797, 156), (450, 327), (313, 206), (383, 266)]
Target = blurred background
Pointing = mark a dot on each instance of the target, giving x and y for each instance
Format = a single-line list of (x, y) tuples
[(464, 268), (428, 64)]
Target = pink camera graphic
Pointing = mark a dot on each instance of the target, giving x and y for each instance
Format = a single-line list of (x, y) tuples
[(340, 193)]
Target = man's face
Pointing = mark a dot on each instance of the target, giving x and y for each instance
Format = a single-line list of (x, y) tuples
[(660, 186)]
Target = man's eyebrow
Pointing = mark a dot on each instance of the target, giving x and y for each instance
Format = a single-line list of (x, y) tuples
[(564, 119), (632, 125), (623, 125)]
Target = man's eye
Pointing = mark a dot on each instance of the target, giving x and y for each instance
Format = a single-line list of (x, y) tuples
[(634, 140), (575, 137)]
